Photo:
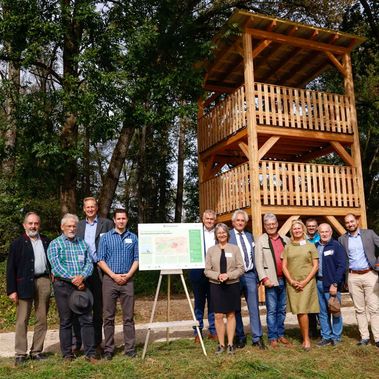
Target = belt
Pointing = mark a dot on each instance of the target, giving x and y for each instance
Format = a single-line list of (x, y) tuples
[(44, 275), (360, 272)]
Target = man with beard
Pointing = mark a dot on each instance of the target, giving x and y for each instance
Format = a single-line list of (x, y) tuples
[(71, 265), (28, 283), (362, 280)]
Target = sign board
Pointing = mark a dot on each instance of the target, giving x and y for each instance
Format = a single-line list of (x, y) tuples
[(170, 246)]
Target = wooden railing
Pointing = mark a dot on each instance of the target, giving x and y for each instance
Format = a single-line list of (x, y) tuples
[(276, 106), (283, 184)]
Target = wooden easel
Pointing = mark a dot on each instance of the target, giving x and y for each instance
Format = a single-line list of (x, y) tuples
[(168, 323)]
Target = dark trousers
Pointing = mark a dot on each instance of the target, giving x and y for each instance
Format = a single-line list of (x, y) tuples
[(111, 292), (62, 291), (94, 283), (201, 293)]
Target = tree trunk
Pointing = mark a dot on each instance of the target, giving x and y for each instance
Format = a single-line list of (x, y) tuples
[(180, 181), (86, 164), (112, 176), (141, 175)]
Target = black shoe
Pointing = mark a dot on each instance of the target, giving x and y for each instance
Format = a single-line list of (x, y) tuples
[(38, 357), (108, 356), (324, 342), (131, 354), (260, 344), (241, 343), (19, 360), (363, 342)]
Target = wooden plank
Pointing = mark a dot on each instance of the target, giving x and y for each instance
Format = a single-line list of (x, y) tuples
[(343, 114), (337, 109), (267, 146), (327, 186), (260, 111), (335, 224), (292, 185), (297, 108), (279, 105), (303, 110), (264, 183), (309, 111), (285, 178), (297, 183), (343, 190), (328, 127), (315, 110), (296, 41), (266, 104), (332, 185), (286, 107), (337, 179), (320, 177), (244, 148), (273, 110), (310, 190), (285, 228), (278, 186), (320, 110), (336, 62), (291, 110), (349, 178), (271, 181), (347, 158), (307, 211)]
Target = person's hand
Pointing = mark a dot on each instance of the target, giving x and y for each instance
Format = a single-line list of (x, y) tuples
[(81, 287), (301, 285), (14, 297), (119, 279), (223, 277), (332, 290), (77, 280), (268, 283)]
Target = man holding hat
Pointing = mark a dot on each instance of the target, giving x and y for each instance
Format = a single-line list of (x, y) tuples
[(71, 265), (330, 279)]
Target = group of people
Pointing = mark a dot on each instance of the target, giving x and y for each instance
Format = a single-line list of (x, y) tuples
[(90, 265), (303, 274)]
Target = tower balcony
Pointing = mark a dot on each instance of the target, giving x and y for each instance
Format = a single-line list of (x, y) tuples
[(283, 108), (285, 188)]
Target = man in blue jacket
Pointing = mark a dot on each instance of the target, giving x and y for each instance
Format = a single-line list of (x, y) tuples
[(330, 279), (248, 282)]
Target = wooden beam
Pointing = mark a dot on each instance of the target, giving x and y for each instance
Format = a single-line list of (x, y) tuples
[(261, 47), (308, 211), (317, 154), (207, 167), (252, 135), (210, 99), (305, 134), (335, 224), (200, 113), (336, 62), (285, 228), (244, 148), (355, 149), (217, 60), (343, 153), (296, 41), (219, 89), (232, 140), (267, 146)]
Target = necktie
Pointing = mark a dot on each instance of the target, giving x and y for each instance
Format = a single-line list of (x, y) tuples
[(244, 248)]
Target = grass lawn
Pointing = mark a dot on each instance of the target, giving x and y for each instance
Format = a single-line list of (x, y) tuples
[(184, 359)]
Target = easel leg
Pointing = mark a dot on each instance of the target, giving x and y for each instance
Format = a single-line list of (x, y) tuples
[(193, 315), (168, 306), (152, 316)]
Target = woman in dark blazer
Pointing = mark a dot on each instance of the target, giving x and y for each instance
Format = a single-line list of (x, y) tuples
[(223, 267)]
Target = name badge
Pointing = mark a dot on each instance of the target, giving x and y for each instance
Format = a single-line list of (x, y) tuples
[(101, 234), (329, 252), (81, 258), (303, 242), (128, 240), (228, 255), (253, 244)]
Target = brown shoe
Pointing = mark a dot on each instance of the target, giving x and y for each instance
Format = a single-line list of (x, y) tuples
[(284, 341), (197, 339), (274, 344), (91, 359), (212, 337)]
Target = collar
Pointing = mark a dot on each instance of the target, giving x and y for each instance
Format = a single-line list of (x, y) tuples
[(94, 221), (65, 238), (358, 233)]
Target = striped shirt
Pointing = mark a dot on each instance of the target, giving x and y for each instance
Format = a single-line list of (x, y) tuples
[(69, 258), (118, 251)]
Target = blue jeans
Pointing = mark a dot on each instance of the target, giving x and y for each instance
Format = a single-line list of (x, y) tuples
[(276, 310), (248, 285), (331, 326), (201, 292)]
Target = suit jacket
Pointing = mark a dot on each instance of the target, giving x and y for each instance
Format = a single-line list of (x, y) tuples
[(104, 225), (265, 258), (234, 263), (250, 238), (20, 266), (370, 241)]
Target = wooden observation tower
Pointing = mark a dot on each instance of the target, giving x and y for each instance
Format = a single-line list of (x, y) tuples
[(259, 129)]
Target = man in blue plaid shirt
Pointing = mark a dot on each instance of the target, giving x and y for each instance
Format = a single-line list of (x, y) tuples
[(118, 258), (71, 265)]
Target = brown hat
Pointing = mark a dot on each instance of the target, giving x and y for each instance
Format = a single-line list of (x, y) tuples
[(334, 306)]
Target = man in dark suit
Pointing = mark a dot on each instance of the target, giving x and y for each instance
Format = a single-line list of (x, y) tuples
[(28, 282), (91, 229), (360, 245), (248, 281)]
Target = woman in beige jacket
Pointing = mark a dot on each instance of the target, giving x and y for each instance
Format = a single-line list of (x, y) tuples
[(223, 267)]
